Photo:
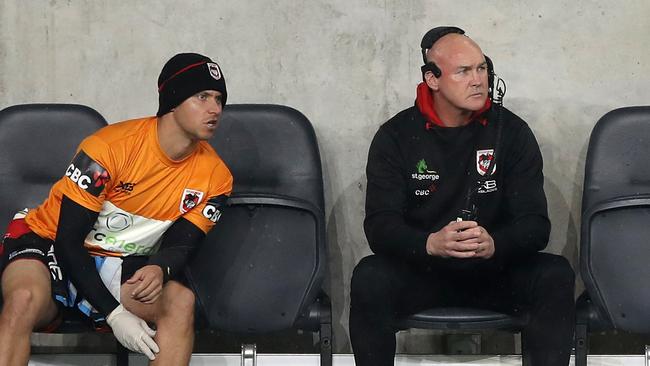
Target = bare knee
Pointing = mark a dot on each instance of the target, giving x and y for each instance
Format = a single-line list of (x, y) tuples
[(22, 300), (25, 306), (178, 303), (181, 298)]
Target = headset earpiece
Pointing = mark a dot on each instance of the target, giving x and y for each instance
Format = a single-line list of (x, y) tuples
[(431, 37), (430, 66)]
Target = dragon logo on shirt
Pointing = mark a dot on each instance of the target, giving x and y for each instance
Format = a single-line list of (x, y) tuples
[(483, 159), (423, 172), (190, 199), (423, 168)]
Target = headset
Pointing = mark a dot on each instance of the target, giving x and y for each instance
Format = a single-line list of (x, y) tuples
[(433, 35)]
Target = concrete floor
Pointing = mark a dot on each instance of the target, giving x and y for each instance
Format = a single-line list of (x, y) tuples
[(339, 360)]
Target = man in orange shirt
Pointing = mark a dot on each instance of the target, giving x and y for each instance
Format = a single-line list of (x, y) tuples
[(114, 235)]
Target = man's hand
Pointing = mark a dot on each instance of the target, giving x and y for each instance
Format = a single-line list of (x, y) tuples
[(149, 280), (132, 332), (485, 244), (461, 239)]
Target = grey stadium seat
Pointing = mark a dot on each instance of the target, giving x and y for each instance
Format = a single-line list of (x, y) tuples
[(262, 268), (615, 228), (37, 142)]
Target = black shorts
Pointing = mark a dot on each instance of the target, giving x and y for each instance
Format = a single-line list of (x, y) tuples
[(32, 246)]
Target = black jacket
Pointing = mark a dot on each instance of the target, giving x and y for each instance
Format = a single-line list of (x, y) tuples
[(418, 176)]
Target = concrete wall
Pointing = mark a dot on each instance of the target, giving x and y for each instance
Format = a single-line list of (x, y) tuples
[(348, 65)]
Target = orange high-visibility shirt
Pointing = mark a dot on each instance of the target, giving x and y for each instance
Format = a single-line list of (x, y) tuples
[(121, 172)]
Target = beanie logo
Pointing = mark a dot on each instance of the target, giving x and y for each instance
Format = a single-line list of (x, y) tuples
[(214, 70)]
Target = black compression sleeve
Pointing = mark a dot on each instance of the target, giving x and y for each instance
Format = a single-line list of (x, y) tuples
[(177, 245), (74, 224)]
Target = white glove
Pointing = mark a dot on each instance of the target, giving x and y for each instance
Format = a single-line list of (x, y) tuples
[(132, 332)]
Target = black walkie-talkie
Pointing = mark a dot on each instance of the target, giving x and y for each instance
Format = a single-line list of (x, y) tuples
[(469, 212)]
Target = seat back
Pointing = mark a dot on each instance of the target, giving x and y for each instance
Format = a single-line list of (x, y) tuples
[(263, 265), (37, 143), (614, 244)]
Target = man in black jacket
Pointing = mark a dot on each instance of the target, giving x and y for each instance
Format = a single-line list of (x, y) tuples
[(456, 213)]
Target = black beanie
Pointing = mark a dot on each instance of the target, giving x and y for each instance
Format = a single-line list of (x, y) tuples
[(184, 75)]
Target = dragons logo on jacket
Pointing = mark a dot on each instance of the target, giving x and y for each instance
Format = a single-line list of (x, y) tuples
[(191, 198), (483, 159)]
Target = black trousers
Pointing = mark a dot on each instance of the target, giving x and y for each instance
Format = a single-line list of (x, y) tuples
[(384, 289)]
